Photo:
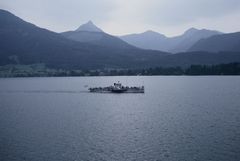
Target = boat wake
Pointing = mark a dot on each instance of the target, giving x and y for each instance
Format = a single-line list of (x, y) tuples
[(43, 91)]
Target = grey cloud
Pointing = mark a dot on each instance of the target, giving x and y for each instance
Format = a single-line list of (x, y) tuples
[(116, 15), (177, 12), (57, 14)]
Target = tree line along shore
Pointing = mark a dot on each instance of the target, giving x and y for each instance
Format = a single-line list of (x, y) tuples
[(39, 70)]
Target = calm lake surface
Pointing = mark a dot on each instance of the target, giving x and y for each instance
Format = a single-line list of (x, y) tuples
[(177, 119)]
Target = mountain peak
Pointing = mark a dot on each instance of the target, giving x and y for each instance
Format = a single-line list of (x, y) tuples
[(90, 22), (191, 31), (89, 26), (150, 31), (153, 33)]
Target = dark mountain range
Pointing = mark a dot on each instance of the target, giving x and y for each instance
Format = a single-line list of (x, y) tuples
[(157, 41), (225, 42), (90, 33), (24, 43)]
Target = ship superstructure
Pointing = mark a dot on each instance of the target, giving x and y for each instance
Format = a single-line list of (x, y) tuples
[(117, 88)]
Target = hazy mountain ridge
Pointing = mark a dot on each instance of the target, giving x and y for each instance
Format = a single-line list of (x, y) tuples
[(225, 42), (175, 44), (190, 37), (147, 40), (92, 34)]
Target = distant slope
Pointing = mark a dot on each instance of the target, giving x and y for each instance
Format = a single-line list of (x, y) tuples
[(97, 38), (157, 41), (183, 42), (90, 33), (148, 40), (225, 42), (25, 43)]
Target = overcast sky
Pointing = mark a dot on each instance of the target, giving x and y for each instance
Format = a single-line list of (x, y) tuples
[(118, 17)]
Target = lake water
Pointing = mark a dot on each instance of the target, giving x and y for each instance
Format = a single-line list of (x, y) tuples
[(179, 118)]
